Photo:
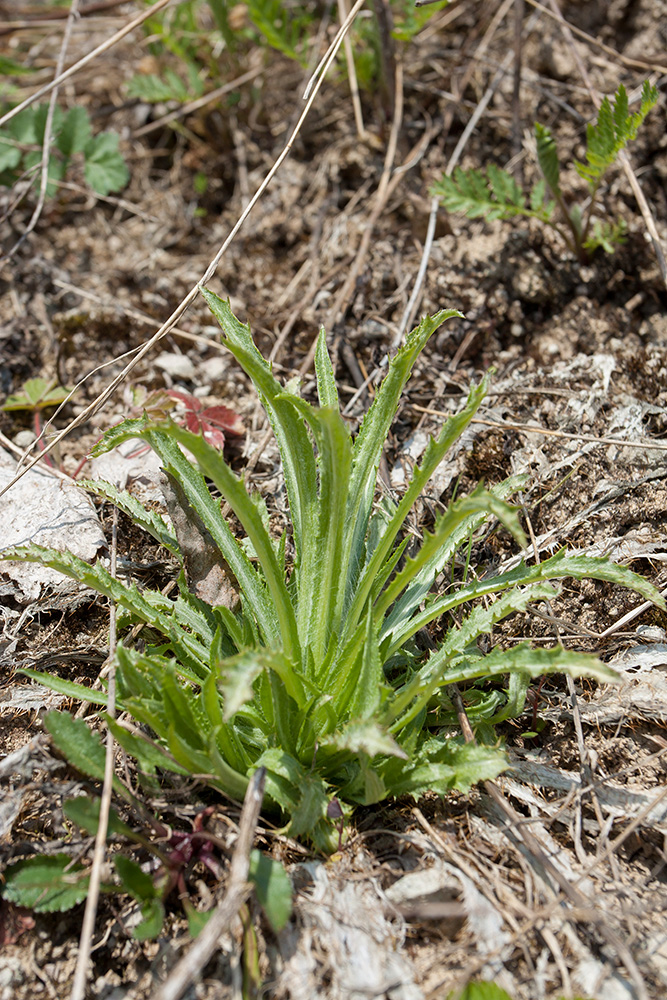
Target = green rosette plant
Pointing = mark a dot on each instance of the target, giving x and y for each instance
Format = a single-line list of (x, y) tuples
[(317, 672)]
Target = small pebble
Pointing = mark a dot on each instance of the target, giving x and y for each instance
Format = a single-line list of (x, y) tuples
[(24, 439), (176, 365)]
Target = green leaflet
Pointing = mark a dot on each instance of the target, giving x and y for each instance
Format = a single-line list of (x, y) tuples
[(272, 887), (614, 129), (296, 451), (80, 747), (46, 884)]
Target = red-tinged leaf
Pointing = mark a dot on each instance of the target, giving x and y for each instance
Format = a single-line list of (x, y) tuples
[(224, 418), (196, 424), (14, 921), (192, 422), (212, 436), (191, 403)]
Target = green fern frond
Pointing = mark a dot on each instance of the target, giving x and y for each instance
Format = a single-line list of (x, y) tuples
[(493, 194), (614, 129)]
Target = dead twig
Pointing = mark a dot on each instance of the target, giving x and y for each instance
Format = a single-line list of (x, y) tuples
[(534, 429), (352, 74), (524, 834), (411, 307), (657, 65), (88, 924), (385, 187)]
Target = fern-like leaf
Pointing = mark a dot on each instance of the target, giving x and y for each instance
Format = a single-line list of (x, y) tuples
[(491, 195), (614, 129)]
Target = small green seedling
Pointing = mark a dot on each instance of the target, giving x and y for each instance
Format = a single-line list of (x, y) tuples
[(21, 142), (494, 193), (35, 395), (315, 670)]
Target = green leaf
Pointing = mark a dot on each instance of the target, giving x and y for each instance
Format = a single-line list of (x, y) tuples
[(435, 452), (196, 920), (32, 165), (481, 991), (368, 738), (196, 493), (9, 67), (147, 519), (327, 392), (504, 187), (68, 688), (39, 123), (402, 620), (75, 132), (448, 764), (273, 888), (148, 754), (134, 880), (105, 169), (22, 126), (322, 575), (36, 394), (215, 468), (608, 235), (146, 608), (614, 129), (155, 89), (296, 450), (480, 501), (10, 155), (367, 683), (547, 157), (491, 195), (80, 747), (85, 812), (237, 676), (152, 912), (46, 884)]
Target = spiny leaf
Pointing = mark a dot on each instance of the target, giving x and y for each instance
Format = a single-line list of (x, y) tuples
[(69, 688), (147, 519), (79, 746)]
